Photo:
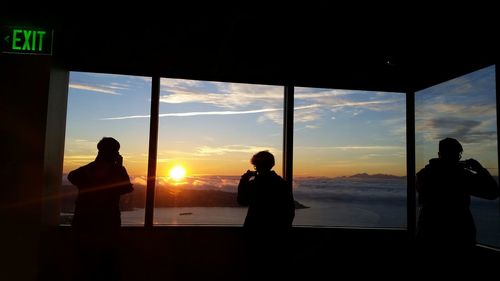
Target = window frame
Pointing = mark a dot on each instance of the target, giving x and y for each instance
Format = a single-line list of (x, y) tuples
[(288, 117)]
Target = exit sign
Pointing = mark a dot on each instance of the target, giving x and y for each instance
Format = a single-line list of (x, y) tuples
[(33, 41)]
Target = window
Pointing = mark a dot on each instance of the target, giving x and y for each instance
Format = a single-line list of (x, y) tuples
[(102, 105), (208, 131), (350, 158), (349, 146), (463, 108)]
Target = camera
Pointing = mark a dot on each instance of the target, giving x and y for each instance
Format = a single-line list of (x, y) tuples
[(464, 164), (251, 173)]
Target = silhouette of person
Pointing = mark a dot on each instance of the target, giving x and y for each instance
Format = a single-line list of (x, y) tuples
[(445, 186), (96, 220), (271, 210), (268, 197)]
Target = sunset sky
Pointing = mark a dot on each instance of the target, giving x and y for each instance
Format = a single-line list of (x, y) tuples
[(213, 128)]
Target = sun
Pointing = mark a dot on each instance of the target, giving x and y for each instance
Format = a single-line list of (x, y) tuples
[(177, 173)]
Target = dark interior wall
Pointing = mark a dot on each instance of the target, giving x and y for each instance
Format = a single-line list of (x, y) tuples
[(24, 88), (221, 253)]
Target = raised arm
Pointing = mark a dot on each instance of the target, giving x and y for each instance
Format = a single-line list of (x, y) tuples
[(78, 177), (243, 197), (483, 185), (126, 186)]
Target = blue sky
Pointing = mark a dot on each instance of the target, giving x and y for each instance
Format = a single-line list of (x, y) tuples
[(346, 132)]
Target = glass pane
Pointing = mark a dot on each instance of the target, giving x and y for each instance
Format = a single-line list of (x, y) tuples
[(117, 106), (350, 158), (208, 131), (465, 109)]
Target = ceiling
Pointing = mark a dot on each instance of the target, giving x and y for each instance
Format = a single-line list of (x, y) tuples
[(320, 46)]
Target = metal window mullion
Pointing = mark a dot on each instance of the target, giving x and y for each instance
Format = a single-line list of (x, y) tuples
[(410, 163), (288, 134), (497, 78), (153, 149)]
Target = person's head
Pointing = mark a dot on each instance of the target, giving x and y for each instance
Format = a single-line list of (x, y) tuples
[(450, 150), (108, 148), (263, 161)]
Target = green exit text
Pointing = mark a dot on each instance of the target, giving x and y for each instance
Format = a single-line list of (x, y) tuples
[(27, 40), (20, 40)]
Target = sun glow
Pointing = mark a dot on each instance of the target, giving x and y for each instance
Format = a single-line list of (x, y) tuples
[(177, 173)]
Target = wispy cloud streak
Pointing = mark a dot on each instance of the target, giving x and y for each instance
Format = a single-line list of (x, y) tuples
[(97, 89), (207, 150), (204, 113), (223, 95)]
